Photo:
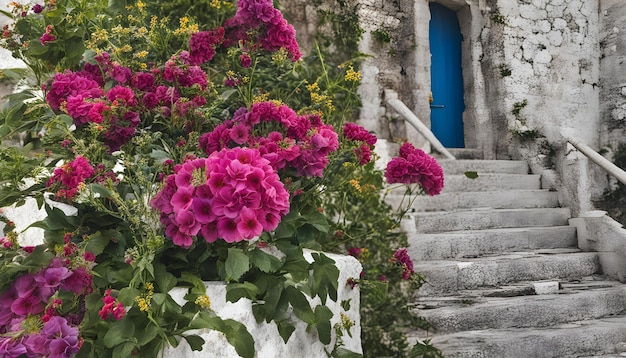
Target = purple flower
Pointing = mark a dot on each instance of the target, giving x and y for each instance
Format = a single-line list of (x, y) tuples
[(415, 166), (37, 8), (11, 348)]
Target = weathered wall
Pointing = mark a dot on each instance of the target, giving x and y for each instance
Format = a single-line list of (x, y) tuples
[(613, 73)]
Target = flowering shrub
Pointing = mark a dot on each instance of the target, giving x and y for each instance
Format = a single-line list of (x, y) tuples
[(191, 150)]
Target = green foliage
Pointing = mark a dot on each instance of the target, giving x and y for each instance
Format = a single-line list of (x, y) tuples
[(505, 70), (381, 36), (613, 201)]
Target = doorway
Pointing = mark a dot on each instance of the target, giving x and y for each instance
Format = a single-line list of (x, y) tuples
[(447, 105)]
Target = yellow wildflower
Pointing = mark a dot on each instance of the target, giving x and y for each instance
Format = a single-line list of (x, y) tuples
[(203, 301), (355, 184), (144, 302), (126, 48), (140, 5), (314, 87), (352, 75), (261, 97), (216, 4), (330, 105), (318, 98), (140, 54)]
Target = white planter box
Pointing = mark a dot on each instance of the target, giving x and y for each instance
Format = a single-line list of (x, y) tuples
[(268, 343)]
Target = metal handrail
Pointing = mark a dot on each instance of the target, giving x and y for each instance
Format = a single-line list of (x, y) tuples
[(601, 161), (392, 100)]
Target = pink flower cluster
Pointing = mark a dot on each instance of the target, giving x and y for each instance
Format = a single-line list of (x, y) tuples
[(233, 195), (111, 307), (261, 18), (355, 132), (202, 45), (402, 258), (413, 165), (299, 142), (69, 177), (34, 297), (114, 97)]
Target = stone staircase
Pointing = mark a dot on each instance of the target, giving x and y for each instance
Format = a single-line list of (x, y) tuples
[(505, 276)]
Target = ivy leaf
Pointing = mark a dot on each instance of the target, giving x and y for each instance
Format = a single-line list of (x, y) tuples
[(264, 261), (285, 329), (235, 291), (323, 315), (195, 342), (345, 353), (97, 242), (301, 307), (471, 175), (235, 332), (237, 263), (119, 332), (325, 277)]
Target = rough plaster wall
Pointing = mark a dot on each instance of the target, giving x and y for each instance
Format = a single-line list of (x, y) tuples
[(613, 73), (391, 65), (551, 48)]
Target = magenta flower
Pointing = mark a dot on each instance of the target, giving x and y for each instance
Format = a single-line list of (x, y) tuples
[(46, 37), (233, 195), (402, 258), (11, 348), (415, 166), (355, 132)]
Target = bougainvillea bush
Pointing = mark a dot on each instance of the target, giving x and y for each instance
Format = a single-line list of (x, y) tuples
[(190, 150)]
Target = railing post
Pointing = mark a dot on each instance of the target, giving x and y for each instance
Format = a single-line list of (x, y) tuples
[(391, 97)]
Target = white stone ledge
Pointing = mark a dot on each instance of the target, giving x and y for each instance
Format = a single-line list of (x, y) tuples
[(268, 342)]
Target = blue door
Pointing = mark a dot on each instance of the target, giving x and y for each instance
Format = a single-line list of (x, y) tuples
[(447, 106)]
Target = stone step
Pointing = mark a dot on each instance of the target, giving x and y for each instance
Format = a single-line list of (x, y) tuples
[(446, 221), (573, 302), (460, 244), (465, 153), (451, 276), (491, 182), (480, 199), (599, 337), (461, 166)]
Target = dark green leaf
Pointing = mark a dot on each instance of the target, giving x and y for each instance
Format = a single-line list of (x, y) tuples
[(97, 242), (301, 307), (471, 175), (195, 342), (117, 6), (237, 263), (345, 353), (235, 291), (118, 333), (264, 261), (325, 277), (285, 329), (322, 323)]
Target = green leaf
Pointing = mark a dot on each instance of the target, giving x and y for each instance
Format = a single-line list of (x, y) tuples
[(318, 221), (127, 295), (301, 307), (97, 242), (345, 353), (325, 277), (237, 263), (471, 175), (124, 350), (264, 261), (235, 291), (164, 280), (285, 329), (323, 315), (235, 332), (118, 333), (194, 341), (117, 6)]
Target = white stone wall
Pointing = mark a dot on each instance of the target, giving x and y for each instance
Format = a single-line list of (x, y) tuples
[(551, 48)]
